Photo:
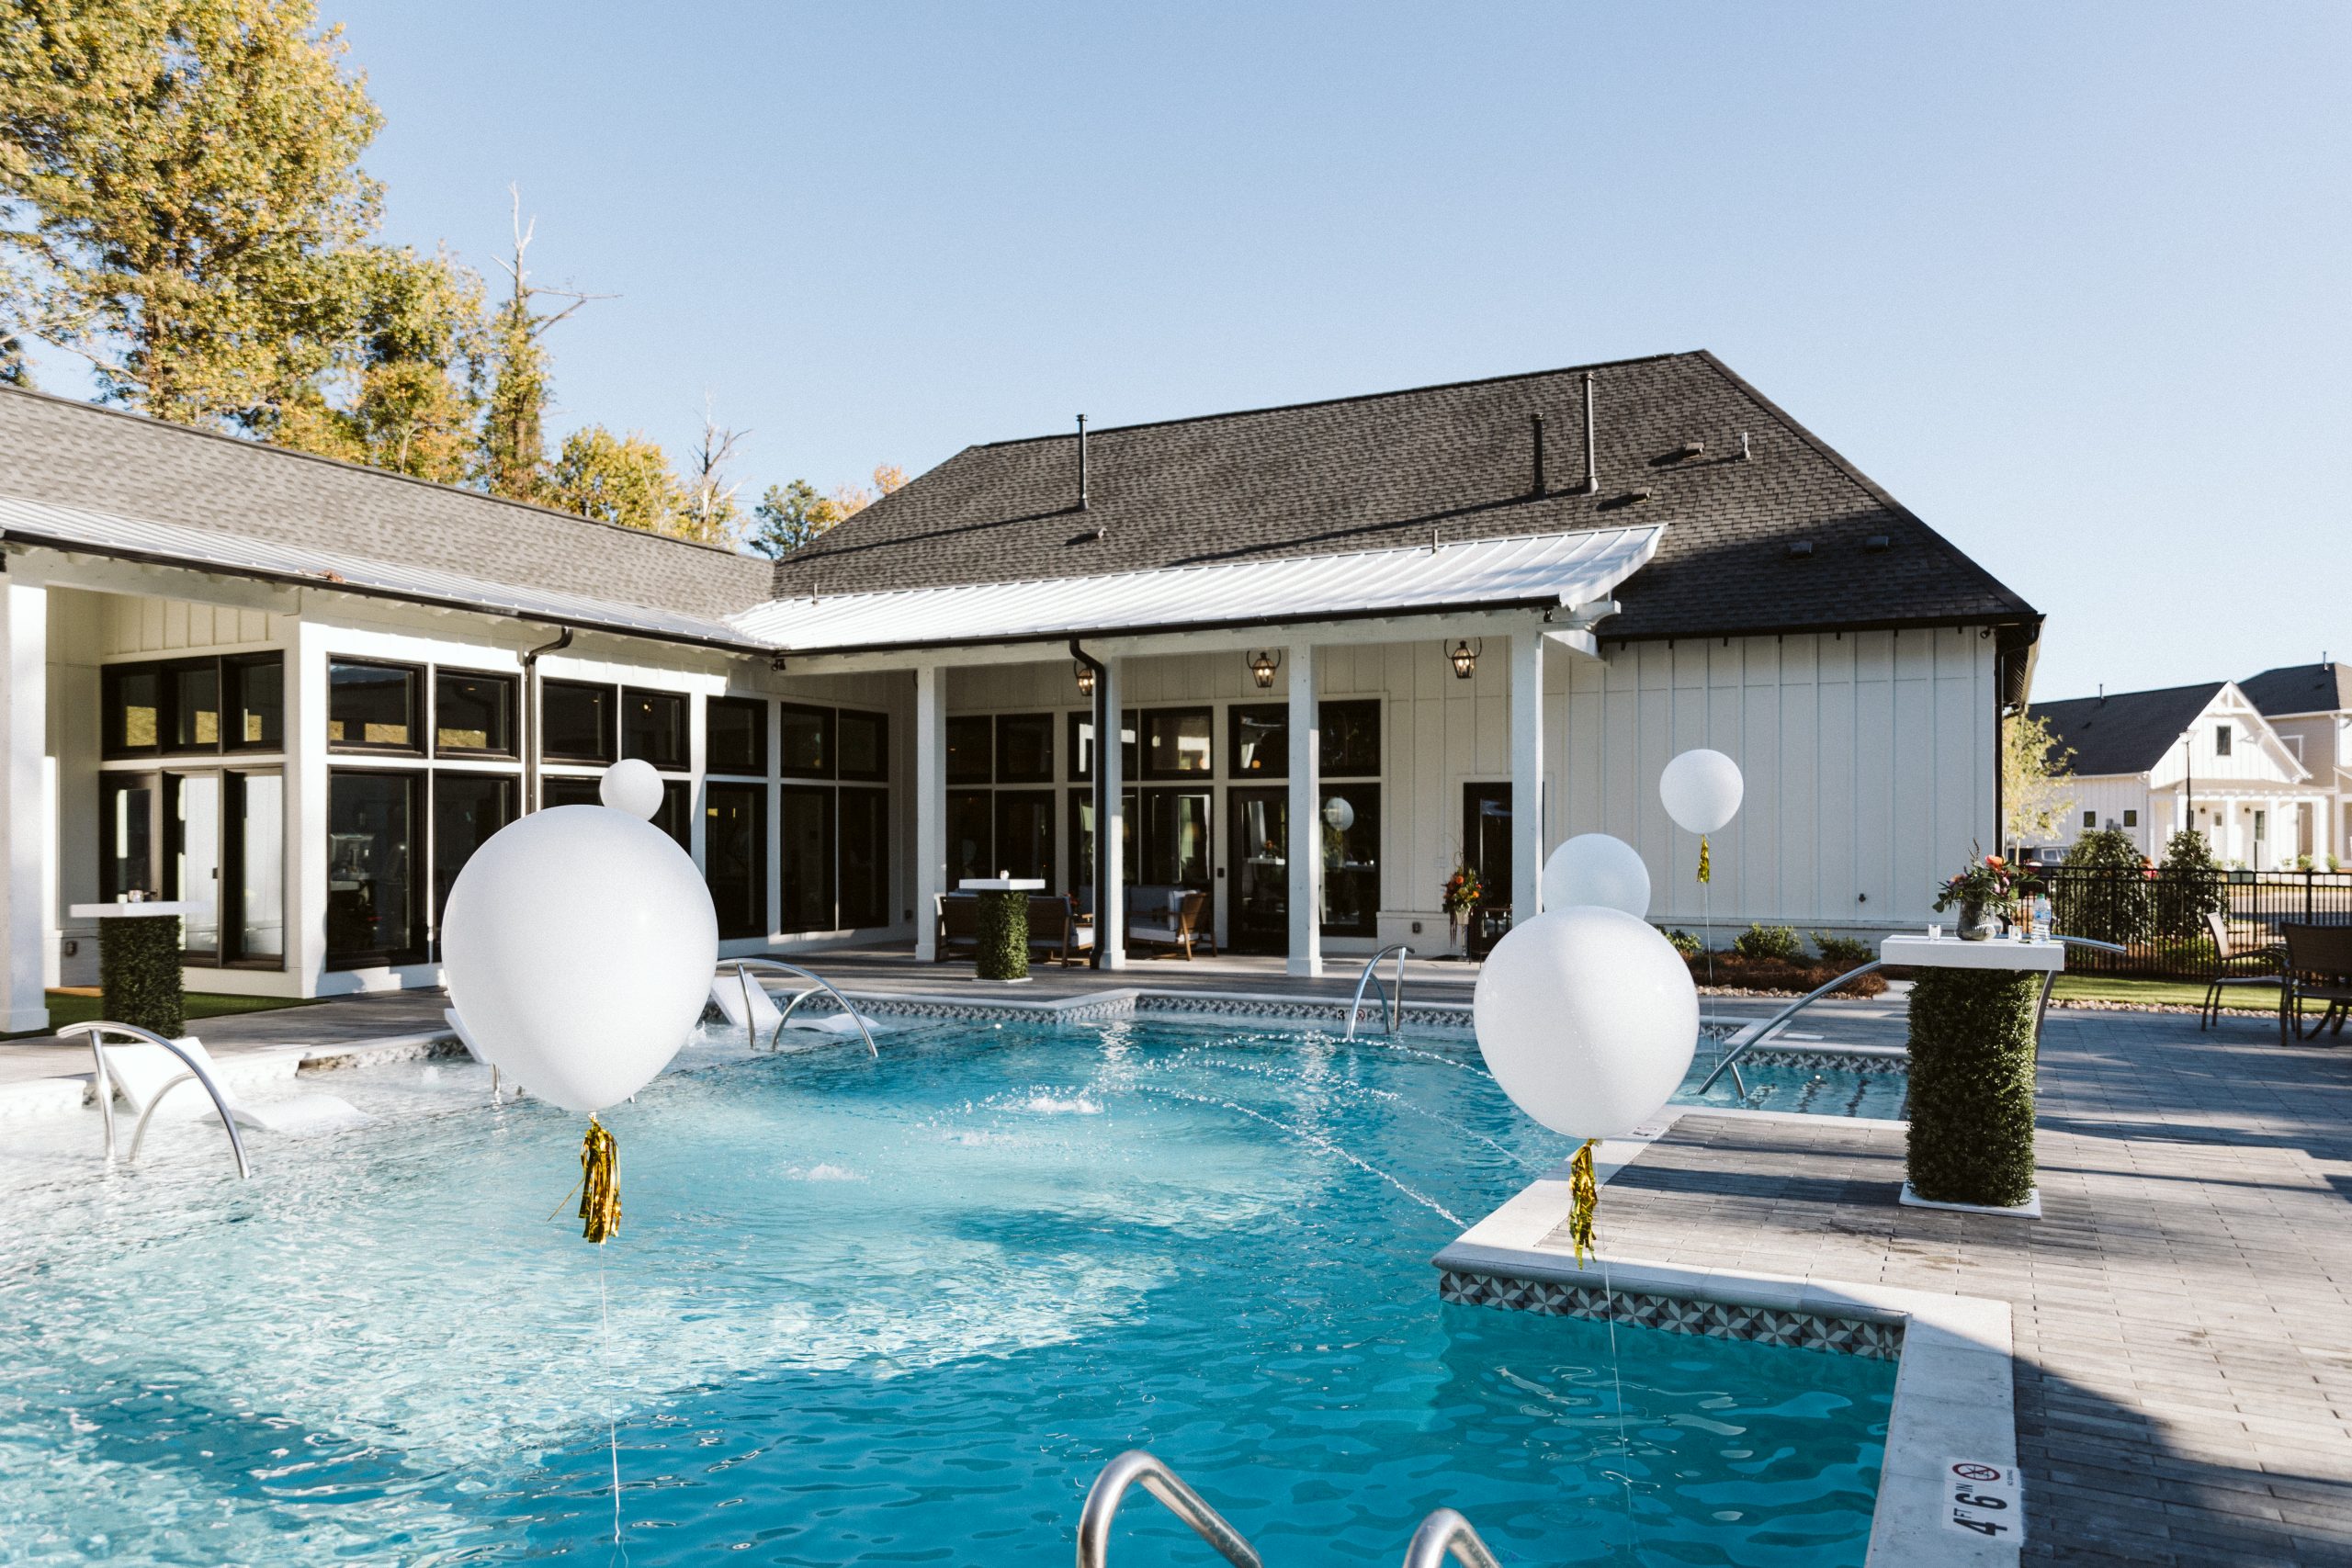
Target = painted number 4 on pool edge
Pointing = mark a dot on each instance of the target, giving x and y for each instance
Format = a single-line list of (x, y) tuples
[(1983, 1501)]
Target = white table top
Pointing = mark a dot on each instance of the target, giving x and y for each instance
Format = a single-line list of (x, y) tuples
[(1951, 953), (112, 912), (1002, 885)]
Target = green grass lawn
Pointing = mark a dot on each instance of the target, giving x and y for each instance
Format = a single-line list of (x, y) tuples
[(2178, 993), (72, 1007)]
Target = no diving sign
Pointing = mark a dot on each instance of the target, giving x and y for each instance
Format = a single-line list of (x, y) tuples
[(1983, 1500)]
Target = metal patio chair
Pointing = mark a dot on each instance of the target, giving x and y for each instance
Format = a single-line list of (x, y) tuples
[(2233, 965), (2318, 968)]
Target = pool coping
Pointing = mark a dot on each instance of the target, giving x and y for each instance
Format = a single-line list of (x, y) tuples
[(1954, 1397)]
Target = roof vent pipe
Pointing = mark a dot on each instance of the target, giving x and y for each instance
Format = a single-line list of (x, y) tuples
[(1591, 465), (1535, 428), (1081, 462)]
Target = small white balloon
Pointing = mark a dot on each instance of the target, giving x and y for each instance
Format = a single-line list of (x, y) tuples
[(1589, 1020), (1701, 790), (633, 786), (580, 941), (1593, 868), (1339, 813)]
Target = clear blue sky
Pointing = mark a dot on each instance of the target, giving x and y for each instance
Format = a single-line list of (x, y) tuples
[(2071, 281)]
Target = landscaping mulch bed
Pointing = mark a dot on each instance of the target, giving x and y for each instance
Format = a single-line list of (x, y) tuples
[(1735, 976)]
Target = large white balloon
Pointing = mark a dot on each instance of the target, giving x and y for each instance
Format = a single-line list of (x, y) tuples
[(1339, 813), (1588, 1018), (1593, 868), (631, 786), (579, 945), (1701, 790)]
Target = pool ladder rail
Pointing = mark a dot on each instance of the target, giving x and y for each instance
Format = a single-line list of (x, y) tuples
[(1443, 1533), (103, 1084), (1391, 997), (744, 966)]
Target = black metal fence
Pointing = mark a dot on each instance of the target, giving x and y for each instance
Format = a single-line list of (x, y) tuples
[(2159, 918)]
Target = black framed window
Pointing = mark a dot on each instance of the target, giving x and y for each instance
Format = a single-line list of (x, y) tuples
[(253, 701), (1082, 747), (1024, 749), (128, 804), (653, 728), (2222, 737), (1260, 745), (132, 699), (467, 809), (473, 713), (865, 827), (371, 707), (373, 903), (576, 722), (735, 856), (192, 701), (1176, 743), (1080, 883), (807, 736), (970, 741), (676, 815), (568, 789), (807, 843), (252, 903), (735, 735), (192, 844), (864, 745), (1350, 738), (971, 836), (1349, 829), (1173, 834), (1025, 832)]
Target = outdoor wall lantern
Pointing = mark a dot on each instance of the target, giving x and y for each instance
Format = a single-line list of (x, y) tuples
[(1465, 659), (1085, 679), (1262, 665)]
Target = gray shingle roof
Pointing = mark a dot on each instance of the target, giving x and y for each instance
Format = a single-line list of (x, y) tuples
[(2300, 688), (1382, 470), (68, 453), (2125, 732)]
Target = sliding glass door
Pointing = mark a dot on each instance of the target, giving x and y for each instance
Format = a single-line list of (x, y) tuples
[(214, 839)]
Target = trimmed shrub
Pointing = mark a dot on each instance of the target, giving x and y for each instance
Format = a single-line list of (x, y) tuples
[(1971, 1085), (2118, 902), (1003, 949), (1770, 941), (1682, 941), (2188, 886), (139, 973), (1844, 952)]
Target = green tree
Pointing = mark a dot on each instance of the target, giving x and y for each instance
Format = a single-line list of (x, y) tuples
[(2035, 802), (616, 479), (177, 178), (13, 371), (789, 516), (2188, 884), (2107, 893), (412, 372)]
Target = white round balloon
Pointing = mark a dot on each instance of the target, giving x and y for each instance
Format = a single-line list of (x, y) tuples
[(579, 943), (633, 786), (1588, 1018), (1339, 814), (1701, 790), (1593, 868)]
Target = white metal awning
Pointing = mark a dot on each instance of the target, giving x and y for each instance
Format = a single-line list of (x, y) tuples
[(204, 549), (1547, 570)]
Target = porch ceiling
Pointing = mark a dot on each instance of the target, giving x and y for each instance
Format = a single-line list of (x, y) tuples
[(1546, 572)]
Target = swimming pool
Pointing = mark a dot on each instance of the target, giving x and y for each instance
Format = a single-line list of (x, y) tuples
[(867, 1312)]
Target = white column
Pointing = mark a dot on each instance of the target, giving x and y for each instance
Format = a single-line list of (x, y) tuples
[(1526, 775), (306, 805), (1111, 832), (931, 805), (1305, 852), (25, 814)]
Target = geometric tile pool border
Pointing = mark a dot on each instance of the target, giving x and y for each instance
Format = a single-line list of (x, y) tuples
[(1677, 1315)]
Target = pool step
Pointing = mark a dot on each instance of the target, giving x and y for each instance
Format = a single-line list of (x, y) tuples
[(1443, 1534)]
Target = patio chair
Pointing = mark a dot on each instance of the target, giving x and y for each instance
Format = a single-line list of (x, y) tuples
[(2232, 966), (146, 1077), (1179, 924), (959, 922), (2318, 968), (1057, 928)]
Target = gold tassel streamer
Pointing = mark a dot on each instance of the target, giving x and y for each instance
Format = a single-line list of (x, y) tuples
[(1706, 871), (600, 1184), (1584, 1195)]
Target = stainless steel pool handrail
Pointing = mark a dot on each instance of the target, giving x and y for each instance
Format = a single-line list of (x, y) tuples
[(1392, 1006), (105, 1087), (816, 983), (1109, 1489), (1445, 1531), (1757, 1034)]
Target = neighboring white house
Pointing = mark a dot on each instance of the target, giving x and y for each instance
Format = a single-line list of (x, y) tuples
[(1349, 644), (2311, 708), (2152, 763)]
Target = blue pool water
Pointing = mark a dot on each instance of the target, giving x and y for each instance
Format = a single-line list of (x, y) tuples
[(879, 1312)]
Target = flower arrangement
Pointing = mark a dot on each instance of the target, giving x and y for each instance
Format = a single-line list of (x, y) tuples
[(1988, 880), (1462, 891)]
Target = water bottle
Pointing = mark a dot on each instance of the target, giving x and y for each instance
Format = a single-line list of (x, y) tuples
[(2042, 917)]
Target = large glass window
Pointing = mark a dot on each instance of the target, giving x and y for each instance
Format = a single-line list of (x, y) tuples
[(473, 713), (676, 815), (372, 894), (1025, 832), (808, 737), (653, 728), (1024, 748), (1175, 837), (192, 834), (969, 748), (1350, 738), (215, 840), (864, 746), (255, 700), (808, 858), (1260, 744), (1082, 747), (735, 735), (371, 707), (255, 911), (467, 809), (1350, 833), (865, 857), (971, 836), (1176, 743), (192, 698), (127, 807), (735, 856), (182, 706), (576, 721), (132, 698)]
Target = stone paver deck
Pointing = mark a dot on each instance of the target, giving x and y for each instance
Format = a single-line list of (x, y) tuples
[(2183, 1313)]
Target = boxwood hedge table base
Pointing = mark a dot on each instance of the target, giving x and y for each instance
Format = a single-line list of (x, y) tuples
[(2029, 1210), (1002, 950)]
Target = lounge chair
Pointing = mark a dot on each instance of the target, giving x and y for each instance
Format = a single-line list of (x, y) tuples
[(1174, 917), (727, 991), (2232, 966), (1057, 928), (2318, 968), (147, 1077)]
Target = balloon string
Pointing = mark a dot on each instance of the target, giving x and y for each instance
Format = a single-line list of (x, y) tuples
[(1617, 1377), (600, 1188), (612, 1415)]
